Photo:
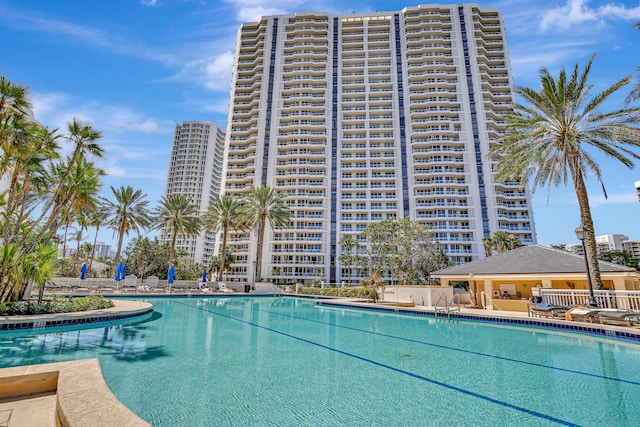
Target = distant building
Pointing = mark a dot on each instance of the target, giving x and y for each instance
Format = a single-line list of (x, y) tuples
[(610, 242), (195, 170), (637, 184), (102, 250)]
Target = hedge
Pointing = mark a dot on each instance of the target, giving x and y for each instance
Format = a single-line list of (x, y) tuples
[(349, 292), (57, 305)]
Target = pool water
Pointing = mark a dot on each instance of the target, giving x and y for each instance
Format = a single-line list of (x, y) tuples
[(288, 362)]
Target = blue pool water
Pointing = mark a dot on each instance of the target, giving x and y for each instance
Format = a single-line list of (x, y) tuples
[(289, 362)]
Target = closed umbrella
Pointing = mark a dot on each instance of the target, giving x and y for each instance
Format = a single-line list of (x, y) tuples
[(83, 271), (121, 271), (204, 275), (171, 275)]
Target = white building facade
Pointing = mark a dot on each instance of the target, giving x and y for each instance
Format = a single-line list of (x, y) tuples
[(195, 170), (362, 117)]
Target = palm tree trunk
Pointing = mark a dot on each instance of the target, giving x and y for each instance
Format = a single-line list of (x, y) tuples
[(587, 222), (223, 253), (120, 239), (172, 252), (258, 271), (93, 251)]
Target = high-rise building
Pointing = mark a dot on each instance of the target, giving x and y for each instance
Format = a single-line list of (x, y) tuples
[(195, 170), (366, 116)]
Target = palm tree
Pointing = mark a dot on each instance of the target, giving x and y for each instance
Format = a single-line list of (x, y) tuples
[(634, 95), (503, 241), (262, 205), (178, 215), (550, 136), (97, 217), (225, 213), (128, 212), (349, 253), (487, 244)]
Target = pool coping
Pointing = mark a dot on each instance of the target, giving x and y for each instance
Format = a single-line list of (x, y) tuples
[(83, 399), (608, 331), (122, 309)]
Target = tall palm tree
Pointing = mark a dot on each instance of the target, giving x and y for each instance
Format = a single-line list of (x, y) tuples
[(264, 205), (553, 135), (128, 212), (225, 213), (634, 95), (178, 215)]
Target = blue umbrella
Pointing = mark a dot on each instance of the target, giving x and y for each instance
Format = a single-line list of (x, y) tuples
[(171, 274), (83, 271), (204, 275), (120, 272)]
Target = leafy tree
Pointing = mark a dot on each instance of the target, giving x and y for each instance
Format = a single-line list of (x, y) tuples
[(225, 213), (128, 212), (405, 249), (621, 258), (264, 205), (551, 135), (178, 215)]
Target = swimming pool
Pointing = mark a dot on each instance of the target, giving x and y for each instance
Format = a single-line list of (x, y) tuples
[(287, 361)]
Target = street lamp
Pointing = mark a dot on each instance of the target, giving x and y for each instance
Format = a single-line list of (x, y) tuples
[(581, 233)]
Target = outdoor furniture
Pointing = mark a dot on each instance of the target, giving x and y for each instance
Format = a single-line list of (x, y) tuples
[(619, 317), (223, 287), (129, 290), (581, 313), (547, 310)]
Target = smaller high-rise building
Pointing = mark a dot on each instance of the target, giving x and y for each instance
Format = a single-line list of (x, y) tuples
[(195, 170), (637, 184)]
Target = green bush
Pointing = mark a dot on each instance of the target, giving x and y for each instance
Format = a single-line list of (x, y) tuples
[(57, 305), (351, 292)]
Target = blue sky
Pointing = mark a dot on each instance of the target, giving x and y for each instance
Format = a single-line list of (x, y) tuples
[(133, 69)]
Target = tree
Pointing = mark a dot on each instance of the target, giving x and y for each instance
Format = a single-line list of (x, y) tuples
[(550, 138), (264, 205), (501, 241), (225, 213), (128, 212), (349, 253), (405, 249), (634, 95), (97, 217), (560, 246), (178, 215), (621, 258), (215, 263)]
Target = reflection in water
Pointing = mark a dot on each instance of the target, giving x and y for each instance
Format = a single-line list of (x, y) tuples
[(125, 342)]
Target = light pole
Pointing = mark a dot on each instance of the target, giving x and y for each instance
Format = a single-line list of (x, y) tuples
[(581, 233)]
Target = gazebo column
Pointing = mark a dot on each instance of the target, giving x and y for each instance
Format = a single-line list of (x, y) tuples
[(488, 290)]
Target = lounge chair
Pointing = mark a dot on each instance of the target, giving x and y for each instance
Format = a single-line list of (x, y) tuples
[(582, 313), (544, 309), (619, 317), (223, 287)]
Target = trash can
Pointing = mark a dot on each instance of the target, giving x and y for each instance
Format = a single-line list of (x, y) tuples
[(247, 288)]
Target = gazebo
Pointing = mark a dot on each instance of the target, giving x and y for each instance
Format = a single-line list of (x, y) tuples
[(521, 273)]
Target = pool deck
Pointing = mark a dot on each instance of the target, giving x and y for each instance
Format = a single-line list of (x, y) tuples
[(74, 394)]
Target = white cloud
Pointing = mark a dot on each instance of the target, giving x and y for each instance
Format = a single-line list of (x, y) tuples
[(55, 110), (579, 12), (149, 2), (217, 73), (621, 198)]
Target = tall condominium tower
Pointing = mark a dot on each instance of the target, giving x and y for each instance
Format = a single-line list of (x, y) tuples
[(195, 170), (362, 117)]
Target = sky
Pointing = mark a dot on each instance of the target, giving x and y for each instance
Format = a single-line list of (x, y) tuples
[(135, 68)]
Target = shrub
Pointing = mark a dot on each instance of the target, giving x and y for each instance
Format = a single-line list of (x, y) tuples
[(351, 292), (57, 305)]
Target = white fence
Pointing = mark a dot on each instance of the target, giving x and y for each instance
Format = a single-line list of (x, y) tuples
[(627, 300)]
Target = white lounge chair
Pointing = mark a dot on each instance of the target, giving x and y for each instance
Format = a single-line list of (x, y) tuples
[(223, 287)]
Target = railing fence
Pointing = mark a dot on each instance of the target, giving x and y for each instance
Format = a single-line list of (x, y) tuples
[(627, 300)]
